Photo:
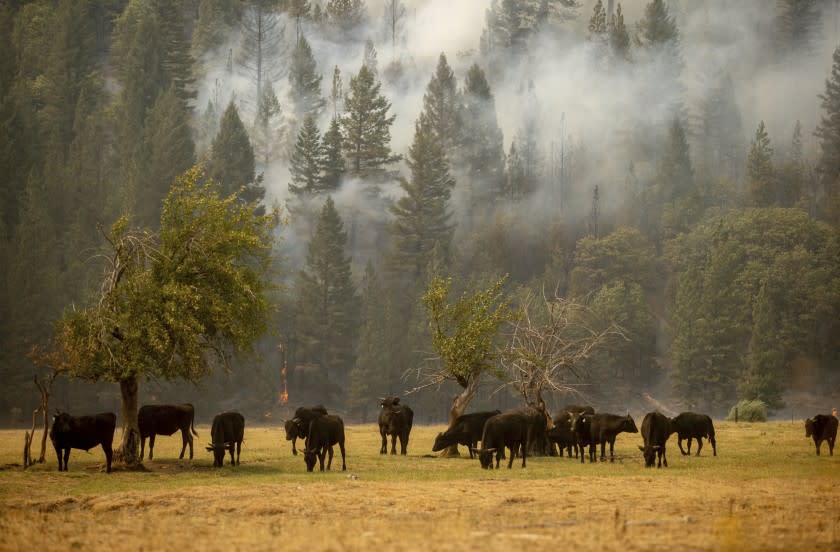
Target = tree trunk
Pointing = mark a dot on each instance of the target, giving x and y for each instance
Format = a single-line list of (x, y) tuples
[(459, 405), (45, 406), (129, 449)]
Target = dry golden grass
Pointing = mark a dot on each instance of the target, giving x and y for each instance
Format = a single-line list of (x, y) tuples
[(766, 490)]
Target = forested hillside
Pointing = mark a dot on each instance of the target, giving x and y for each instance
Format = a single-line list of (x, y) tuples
[(669, 167)]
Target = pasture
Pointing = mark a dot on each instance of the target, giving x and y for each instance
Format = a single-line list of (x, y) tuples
[(766, 490)]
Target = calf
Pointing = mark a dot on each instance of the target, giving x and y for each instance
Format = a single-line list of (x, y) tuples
[(656, 428), (395, 420), (603, 429), (509, 429), (689, 425), (466, 431), (82, 432), (166, 419), (228, 431), (822, 427), (298, 427), (324, 432)]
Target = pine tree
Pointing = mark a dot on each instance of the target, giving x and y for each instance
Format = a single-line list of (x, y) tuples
[(231, 160), (333, 161), (298, 10), (798, 26), (761, 188), (828, 134), (370, 58), (177, 60), (598, 22), (763, 378), (675, 170), (216, 20), (421, 216), (657, 28), (263, 47), (268, 125), (328, 304), (346, 15), (168, 151), (366, 126), (305, 82), (337, 92), (619, 37), (307, 160), (792, 173), (441, 106), (482, 148), (722, 149)]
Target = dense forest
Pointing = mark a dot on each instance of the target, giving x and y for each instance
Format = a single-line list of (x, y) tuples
[(664, 174)]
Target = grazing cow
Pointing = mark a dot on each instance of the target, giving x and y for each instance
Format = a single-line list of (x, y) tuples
[(298, 427), (509, 429), (395, 420), (166, 419), (822, 427), (228, 431), (466, 431), (656, 428), (562, 435), (324, 432), (689, 425), (82, 432), (603, 429)]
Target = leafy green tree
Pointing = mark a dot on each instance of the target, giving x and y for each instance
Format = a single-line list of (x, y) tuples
[(422, 216), (333, 165), (305, 82), (168, 151), (328, 303), (366, 127), (625, 255), (828, 134), (231, 160), (175, 303), (761, 176), (307, 160), (464, 336), (441, 106)]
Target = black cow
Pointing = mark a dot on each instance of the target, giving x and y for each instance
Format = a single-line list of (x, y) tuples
[(166, 419), (466, 431), (324, 432), (298, 427), (228, 431), (656, 428), (822, 427), (395, 420), (562, 435), (82, 432), (581, 430), (603, 429), (509, 429), (689, 425)]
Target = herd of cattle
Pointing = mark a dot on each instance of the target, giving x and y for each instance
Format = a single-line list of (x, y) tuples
[(522, 431)]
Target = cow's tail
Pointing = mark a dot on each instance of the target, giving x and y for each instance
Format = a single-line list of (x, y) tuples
[(192, 424)]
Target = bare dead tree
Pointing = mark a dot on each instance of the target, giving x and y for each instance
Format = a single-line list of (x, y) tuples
[(49, 357), (549, 345)]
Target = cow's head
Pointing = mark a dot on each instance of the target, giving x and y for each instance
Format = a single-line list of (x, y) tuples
[(218, 450), (291, 427), (809, 426), (649, 453), (485, 457), (310, 457), (61, 423), (628, 425), (387, 402)]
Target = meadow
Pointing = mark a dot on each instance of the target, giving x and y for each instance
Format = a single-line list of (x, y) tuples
[(766, 490)]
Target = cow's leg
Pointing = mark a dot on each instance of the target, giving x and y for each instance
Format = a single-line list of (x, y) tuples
[(699, 445), (404, 443), (603, 450), (612, 446), (816, 442), (714, 445), (190, 437), (294, 450), (238, 451), (831, 446), (394, 443), (66, 457), (688, 451), (321, 454), (592, 453), (58, 455), (384, 448), (183, 444), (524, 453), (664, 457), (343, 463), (679, 444), (329, 460), (151, 446), (230, 448), (109, 454), (142, 446)]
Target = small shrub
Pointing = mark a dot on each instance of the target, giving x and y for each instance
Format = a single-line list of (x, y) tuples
[(748, 411)]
